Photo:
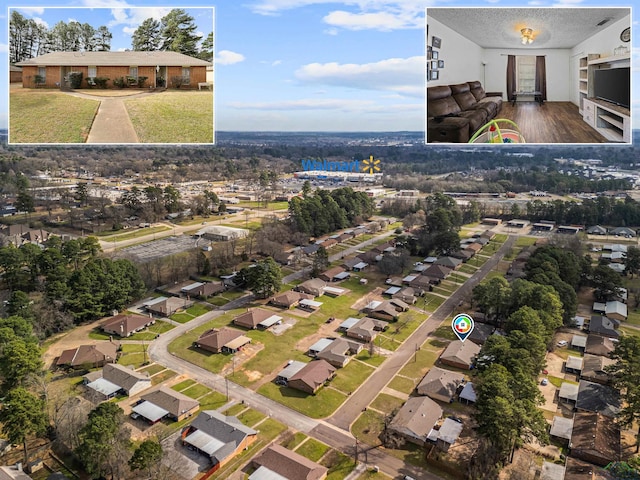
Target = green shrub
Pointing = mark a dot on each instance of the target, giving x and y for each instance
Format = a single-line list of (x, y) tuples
[(120, 82), (75, 79), (101, 82), (141, 81), (91, 82), (177, 81)]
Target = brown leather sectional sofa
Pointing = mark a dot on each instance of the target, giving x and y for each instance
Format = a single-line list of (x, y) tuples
[(456, 112)]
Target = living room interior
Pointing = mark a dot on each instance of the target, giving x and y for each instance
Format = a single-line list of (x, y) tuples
[(561, 75)]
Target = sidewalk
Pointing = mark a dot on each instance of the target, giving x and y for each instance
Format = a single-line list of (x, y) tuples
[(112, 124)]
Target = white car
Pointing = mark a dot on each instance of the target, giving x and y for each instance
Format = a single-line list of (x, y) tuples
[(562, 343)]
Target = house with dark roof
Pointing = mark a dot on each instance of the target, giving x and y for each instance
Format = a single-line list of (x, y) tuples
[(366, 329), (603, 326), (593, 368), (440, 384), (384, 311), (165, 402), (289, 299), (89, 356), (219, 340), (578, 470), (595, 439), (334, 274), (349, 263), (597, 398), (436, 272), (312, 376), (276, 462), (339, 352), (597, 230), (408, 295), (126, 324), (161, 68), (115, 378), (448, 262), (204, 289), (284, 258), (415, 419), (481, 332), (218, 437), (599, 345), (460, 354), (314, 286), (257, 318), (623, 232), (468, 394)]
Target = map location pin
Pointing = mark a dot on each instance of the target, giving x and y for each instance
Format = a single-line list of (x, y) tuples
[(462, 325)]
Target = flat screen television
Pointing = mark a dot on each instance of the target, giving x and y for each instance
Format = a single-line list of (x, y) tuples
[(613, 85)]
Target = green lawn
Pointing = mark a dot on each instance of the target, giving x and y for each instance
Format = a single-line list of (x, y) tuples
[(173, 116), (295, 440), (108, 236), (163, 377), (49, 116), (312, 449), (196, 391), (212, 401), (153, 369), (97, 334), (178, 387), (251, 417), (374, 360), (402, 384), (320, 405), (181, 317), (633, 317), (368, 427), (386, 403), (467, 268), (235, 409), (444, 330), (425, 358), (372, 475), (351, 377), (133, 354), (339, 464), (151, 332), (198, 309)]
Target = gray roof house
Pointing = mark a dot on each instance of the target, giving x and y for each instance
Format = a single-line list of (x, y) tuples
[(415, 420), (115, 378), (561, 428), (593, 397), (440, 384)]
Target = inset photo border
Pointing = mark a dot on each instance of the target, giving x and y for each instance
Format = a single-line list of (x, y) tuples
[(528, 75), (95, 76)]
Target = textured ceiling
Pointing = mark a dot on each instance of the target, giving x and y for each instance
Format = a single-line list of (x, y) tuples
[(552, 27)]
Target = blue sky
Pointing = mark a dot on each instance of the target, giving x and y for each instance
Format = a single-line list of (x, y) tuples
[(355, 65)]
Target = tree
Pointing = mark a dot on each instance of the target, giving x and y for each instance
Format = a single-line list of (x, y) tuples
[(22, 415), (179, 33), (263, 278), (147, 457), (104, 441), (19, 359), (24, 199), (82, 193), (606, 282), (102, 39), (493, 298), (632, 261), (320, 261), (146, 37), (206, 49)]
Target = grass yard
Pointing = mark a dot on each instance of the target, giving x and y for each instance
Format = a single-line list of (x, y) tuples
[(633, 317), (178, 387), (368, 427), (190, 313), (372, 475), (163, 377), (386, 403), (153, 369), (351, 377), (173, 117), (235, 409), (151, 332), (402, 384), (196, 391), (320, 405), (313, 449), (251, 417), (471, 269), (212, 401), (133, 354), (97, 334), (295, 440), (339, 465), (375, 360), (138, 232), (425, 359), (49, 116)]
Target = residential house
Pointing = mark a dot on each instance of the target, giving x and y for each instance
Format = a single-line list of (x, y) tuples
[(464, 255), (551, 471), (568, 392), (616, 310), (13, 472), (594, 369), (359, 267), (578, 470), (603, 326), (339, 352), (257, 317), (468, 394), (165, 402), (126, 324), (366, 329), (623, 232), (617, 267), (314, 287), (293, 367), (488, 234), (460, 354), (579, 342), (161, 68), (597, 398), (370, 257), (383, 311), (481, 332), (218, 437), (115, 378), (415, 419), (334, 274), (15, 74), (329, 242), (349, 263), (219, 340), (335, 291), (284, 258), (204, 289), (448, 262), (595, 439), (89, 356), (561, 429), (277, 462), (446, 435), (599, 345), (289, 299), (310, 249), (440, 384), (166, 306), (398, 304), (597, 230), (312, 376), (436, 273), (309, 305), (574, 364)]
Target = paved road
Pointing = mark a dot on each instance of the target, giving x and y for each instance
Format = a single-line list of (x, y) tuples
[(336, 431), (351, 409)]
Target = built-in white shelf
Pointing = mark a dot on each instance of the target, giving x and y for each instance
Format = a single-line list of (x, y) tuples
[(610, 59)]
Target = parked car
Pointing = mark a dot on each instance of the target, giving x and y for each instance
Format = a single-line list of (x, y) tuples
[(562, 343), (544, 382)]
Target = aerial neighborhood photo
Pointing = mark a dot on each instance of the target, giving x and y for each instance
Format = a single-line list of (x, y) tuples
[(319, 282)]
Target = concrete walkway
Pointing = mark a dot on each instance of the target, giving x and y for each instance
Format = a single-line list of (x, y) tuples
[(112, 124)]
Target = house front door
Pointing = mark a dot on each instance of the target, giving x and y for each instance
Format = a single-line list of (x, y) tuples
[(161, 77)]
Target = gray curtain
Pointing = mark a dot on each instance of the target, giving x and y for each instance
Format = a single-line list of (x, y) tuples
[(541, 77), (511, 76)]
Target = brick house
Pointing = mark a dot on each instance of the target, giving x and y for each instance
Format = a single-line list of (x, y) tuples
[(162, 69)]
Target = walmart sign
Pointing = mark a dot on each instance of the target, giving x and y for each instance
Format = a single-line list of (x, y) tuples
[(325, 165)]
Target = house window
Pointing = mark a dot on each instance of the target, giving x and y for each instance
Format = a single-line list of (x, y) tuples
[(133, 72), (526, 73), (186, 75), (93, 72), (42, 72)]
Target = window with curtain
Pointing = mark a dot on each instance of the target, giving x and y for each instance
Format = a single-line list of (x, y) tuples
[(133, 72), (526, 73), (92, 72), (42, 71), (186, 75)]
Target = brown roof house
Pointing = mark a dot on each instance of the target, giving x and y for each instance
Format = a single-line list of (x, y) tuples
[(289, 299), (116, 378), (366, 329), (334, 274), (218, 437), (276, 462), (593, 368), (126, 324), (460, 354), (382, 310), (338, 352), (167, 402), (599, 345), (257, 317), (161, 68), (440, 384), (15, 74), (415, 420), (218, 340), (595, 439), (312, 376), (166, 306), (89, 356), (314, 287), (204, 289)]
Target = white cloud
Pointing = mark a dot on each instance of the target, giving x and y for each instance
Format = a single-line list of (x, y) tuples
[(133, 17), (384, 21), (275, 63), (31, 10), (40, 21), (399, 75), (105, 3), (227, 57), (129, 30)]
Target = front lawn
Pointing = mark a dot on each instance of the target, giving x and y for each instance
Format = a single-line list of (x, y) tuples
[(312, 449), (173, 117), (49, 116), (351, 377), (321, 405)]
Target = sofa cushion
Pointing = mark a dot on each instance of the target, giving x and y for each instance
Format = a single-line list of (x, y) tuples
[(493, 105), (477, 90), (440, 102), (477, 118), (448, 129), (463, 96)]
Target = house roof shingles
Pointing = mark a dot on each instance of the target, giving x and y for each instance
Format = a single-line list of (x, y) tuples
[(126, 324), (89, 354), (460, 352), (441, 382), (173, 402), (290, 465), (140, 59), (218, 338), (122, 376), (314, 373), (593, 397), (596, 434)]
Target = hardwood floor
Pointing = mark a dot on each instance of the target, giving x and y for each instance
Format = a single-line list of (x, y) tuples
[(552, 122)]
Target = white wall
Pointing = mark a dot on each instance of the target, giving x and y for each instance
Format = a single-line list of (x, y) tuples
[(603, 43), (461, 56), (557, 63)]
